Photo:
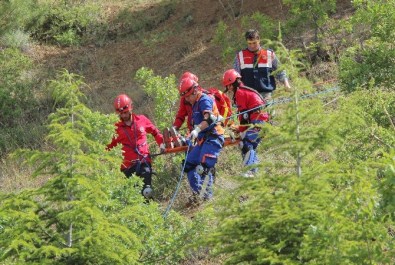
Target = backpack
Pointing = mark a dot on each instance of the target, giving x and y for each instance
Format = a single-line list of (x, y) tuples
[(223, 103)]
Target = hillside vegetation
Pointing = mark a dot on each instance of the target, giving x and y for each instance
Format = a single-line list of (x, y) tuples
[(325, 191)]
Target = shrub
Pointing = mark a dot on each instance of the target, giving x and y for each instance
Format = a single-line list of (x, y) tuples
[(65, 24), (369, 63), (16, 39)]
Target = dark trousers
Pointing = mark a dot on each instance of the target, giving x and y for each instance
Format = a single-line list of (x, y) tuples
[(141, 169)]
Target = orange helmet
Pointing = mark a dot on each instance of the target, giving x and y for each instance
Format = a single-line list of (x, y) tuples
[(187, 86), (122, 104), (230, 77), (189, 75)]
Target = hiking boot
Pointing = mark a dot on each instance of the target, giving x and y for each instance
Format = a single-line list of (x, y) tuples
[(249, 174), (167, 138), (193, 201)]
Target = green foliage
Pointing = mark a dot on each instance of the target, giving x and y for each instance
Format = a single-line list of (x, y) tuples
[(309, 14), (16, 14), (368, 126), (369, 63), (268, 28), (18, 101), (227, 39), (16, 39), (331, 212), (64, 23), (87, 212), (162, 96), (15, 93), (386, 186)]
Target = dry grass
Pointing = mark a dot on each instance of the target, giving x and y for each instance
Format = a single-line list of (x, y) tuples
[(14, 177)]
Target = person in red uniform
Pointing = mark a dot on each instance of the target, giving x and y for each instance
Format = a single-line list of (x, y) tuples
[(131, 133), (249, 105), (185, 108)]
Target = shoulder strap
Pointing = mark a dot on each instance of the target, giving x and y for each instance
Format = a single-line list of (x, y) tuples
[(253, 90)]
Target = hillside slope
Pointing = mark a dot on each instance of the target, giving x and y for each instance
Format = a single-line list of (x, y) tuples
[(181, 42)]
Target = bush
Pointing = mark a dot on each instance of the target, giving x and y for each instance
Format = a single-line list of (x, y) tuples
[(369, 63), (64, 24), (16, 39)]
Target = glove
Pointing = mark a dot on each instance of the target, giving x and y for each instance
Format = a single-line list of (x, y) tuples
[(162, 148), (194, 133)]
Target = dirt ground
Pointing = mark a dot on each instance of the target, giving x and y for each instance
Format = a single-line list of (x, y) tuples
[(109, 69)]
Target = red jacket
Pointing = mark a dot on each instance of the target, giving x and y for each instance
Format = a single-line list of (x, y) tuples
[(134, 140), (184, 110), (246, 99)]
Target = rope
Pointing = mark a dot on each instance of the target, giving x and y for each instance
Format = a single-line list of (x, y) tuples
[(274, 102), (177, 187), (285, 100)]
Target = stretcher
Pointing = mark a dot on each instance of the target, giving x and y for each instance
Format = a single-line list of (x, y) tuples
[(175, 143)]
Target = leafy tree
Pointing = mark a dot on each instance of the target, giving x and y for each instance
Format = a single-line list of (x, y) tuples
[(369, 63), (368, 126), (310, 14), (16, 14), (162, 93), (306, 206), (87, 212)]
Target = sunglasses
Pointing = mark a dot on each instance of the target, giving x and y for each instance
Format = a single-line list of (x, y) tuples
[(187, 91), (122, 109)]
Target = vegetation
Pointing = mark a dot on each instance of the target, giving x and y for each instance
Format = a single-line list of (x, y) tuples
[(325, 189)]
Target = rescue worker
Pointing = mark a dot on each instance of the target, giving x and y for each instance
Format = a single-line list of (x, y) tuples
[(185, 108), (249, 105), (131, 133), (208, 133), (256, 66)]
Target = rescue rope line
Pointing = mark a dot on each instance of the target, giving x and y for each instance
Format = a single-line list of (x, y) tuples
[(285, 100), (177, 187), (274, 102)]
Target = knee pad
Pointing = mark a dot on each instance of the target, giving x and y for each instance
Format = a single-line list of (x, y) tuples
[(188, 166), (202, 169), (246, 147), (148, 192)]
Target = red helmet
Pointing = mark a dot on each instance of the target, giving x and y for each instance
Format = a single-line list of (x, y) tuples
[(187, 86), (230, 77), (122, 103), (189, 75)]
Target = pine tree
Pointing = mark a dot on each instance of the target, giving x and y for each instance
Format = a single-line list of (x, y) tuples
[(307, 206), (87, 212)]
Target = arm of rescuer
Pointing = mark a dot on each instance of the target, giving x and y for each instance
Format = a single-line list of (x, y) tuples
[(114, 141), (201, 126), (181, 114), (151, 129)]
